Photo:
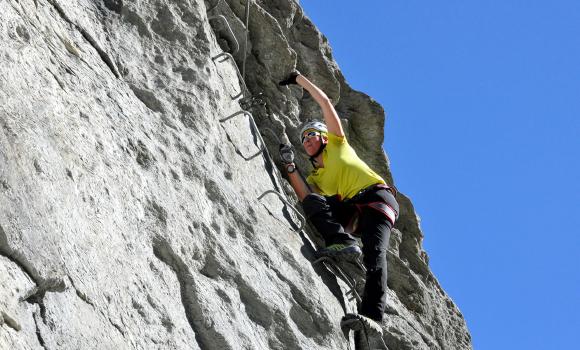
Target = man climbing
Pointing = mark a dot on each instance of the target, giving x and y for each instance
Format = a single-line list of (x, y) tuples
[(344, 193)]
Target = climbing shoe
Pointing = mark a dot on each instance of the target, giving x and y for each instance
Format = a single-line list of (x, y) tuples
[(358, 322), (342, 251)]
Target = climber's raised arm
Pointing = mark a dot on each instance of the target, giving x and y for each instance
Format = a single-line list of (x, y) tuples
[(328, 112)]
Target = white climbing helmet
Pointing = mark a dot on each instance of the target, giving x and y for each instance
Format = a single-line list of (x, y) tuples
[(314, 125)]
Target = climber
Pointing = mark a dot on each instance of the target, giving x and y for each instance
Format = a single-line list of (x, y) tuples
[(343, 194)]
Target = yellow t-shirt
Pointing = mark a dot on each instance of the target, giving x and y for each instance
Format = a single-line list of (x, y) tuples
[(344, 173)]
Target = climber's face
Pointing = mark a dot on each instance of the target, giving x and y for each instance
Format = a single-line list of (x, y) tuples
[(312, 140)]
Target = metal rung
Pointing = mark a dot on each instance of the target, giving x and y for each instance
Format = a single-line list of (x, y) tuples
[(254, 128), (326, 258), (352, 293), (230, 33), (302, 219), (331, 265), (268, 158), (361, 265), (227, 56)]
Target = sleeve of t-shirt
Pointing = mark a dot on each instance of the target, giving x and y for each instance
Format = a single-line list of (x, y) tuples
[(336, 140)]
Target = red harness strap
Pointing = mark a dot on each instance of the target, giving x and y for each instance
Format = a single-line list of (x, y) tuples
[(381, 207)]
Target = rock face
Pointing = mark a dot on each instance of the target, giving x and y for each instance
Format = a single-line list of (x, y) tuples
[(130, 214)]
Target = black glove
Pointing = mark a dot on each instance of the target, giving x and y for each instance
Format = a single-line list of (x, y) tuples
[(286, 154), (291, 78)]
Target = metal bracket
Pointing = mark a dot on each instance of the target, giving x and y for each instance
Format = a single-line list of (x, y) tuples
[(226, 56), (253, 102), (302, 219), (331, 265), (254, 128), (264, 149), (229, 32)]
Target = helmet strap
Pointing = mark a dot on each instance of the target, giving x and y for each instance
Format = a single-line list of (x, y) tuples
[(313, 157)]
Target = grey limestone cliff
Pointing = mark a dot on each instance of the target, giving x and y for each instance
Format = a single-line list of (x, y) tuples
[(130, 209)]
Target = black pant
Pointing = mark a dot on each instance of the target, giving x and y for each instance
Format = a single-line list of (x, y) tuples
[(329, 215)]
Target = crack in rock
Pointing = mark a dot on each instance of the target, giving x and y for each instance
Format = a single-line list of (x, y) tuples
[(142, 154), (38, 333), (80, 294), (36, 294), (208, 338), (89, 38), (148, 98), (117, 327), (43, 285), (17, 258)]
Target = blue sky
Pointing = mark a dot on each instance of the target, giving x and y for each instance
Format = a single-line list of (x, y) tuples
[(483, 132)]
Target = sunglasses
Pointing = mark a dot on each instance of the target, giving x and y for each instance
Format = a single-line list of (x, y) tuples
[(309, 135)]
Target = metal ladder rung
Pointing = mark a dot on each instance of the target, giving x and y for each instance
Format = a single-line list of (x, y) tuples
[(254, 128), (302, 219), (228, 56), (264, 149), (331, 265), (230, 32)]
